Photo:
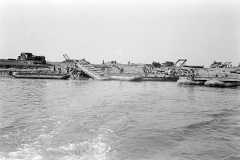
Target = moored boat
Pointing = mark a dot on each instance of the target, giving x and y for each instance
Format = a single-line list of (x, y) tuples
[(189, 81), (40, 75), (161, 78), (75, 77), (126, 78), (219, 83), (171, 75)]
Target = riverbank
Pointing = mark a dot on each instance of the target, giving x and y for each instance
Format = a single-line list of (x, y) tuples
[(128, 70), (116, 69)]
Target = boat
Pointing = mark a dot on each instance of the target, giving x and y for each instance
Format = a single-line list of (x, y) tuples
[(40, 75), (94, 73), (126, 78), (222, 83), (230, 80), (189, 81), (25, 63), (160, 78), (75, 77), (172, 74)]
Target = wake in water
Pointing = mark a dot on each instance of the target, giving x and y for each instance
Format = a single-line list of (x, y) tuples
[(92, 149), (61, 120), (44, 146)]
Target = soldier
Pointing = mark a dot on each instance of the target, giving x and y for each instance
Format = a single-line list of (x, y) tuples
[(59, 70), (121, 70), (67, 70)]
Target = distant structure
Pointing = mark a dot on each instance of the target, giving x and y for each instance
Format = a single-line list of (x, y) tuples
[(25, 60), (167, 64), (113, 62), (30, 57), (156, 64), (193, 66), (238, 64), (220, 64)]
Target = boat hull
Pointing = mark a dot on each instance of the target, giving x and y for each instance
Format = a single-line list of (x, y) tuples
[(168, 79), (40, 76), (80, 78), (217, 83), (126, 78), (187, 81)]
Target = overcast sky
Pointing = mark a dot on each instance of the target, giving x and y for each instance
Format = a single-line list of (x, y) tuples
[(140, 31)]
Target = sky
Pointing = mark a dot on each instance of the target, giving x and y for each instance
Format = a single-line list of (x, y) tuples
[(139, 31)]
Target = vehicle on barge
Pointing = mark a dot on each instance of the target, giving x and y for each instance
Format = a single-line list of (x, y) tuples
[(170, 75)]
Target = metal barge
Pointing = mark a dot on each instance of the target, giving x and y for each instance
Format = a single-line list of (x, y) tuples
[(40, 75)]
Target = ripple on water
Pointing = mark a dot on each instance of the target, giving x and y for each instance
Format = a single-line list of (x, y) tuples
[(45, 119)]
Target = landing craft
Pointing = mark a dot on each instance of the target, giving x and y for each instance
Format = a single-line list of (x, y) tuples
[(171, 75)]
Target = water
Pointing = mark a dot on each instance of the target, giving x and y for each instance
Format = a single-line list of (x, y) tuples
[(93, 120)]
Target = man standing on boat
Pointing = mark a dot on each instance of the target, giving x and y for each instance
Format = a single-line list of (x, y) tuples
[(121, 70), (59, 70), (67, 70)]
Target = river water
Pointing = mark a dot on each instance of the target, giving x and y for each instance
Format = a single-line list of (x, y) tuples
[(114, 120)]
